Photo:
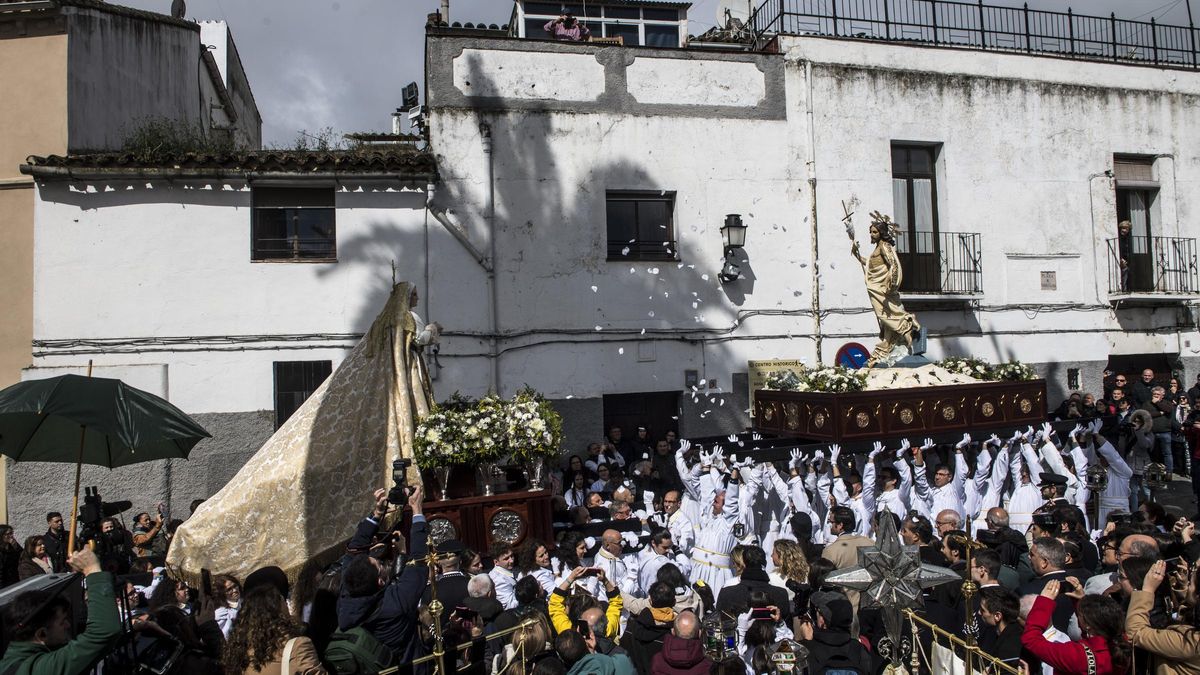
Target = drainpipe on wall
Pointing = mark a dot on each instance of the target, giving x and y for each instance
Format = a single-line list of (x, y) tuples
[(485, 131), (812, 187)]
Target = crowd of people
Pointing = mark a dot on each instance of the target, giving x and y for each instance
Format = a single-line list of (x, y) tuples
[(673, 557), (1167, 414)]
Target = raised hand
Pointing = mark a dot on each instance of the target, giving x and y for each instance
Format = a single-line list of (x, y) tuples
[(1047, 431), (1016, 437), (995, 440), (1096, 425), (905, 446), (756, 436), (835, 451), (877, 449), (927, 445), (1076, 432), (797, 459), (718, 457), (966, 440), (684, 446)]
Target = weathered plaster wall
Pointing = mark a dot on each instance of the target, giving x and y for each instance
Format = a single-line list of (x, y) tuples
[(124, 69)]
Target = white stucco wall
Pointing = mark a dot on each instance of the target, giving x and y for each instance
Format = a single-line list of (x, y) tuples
[(137, 268), (1024, 145)]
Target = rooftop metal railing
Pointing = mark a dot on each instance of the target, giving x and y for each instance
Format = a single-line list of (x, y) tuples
[(980, 26)]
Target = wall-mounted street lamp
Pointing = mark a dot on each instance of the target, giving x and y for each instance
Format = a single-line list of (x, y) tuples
[(733, 232)]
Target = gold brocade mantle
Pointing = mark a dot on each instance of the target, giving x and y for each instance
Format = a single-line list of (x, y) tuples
[(297, 501)]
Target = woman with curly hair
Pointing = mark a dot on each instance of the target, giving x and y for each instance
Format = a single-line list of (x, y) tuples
[(791, 567), (266, 641), (227, 595), (533, 560)]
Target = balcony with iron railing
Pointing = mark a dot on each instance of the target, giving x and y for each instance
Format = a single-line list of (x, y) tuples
[(974, 25), (941, 265), (1152, 269)]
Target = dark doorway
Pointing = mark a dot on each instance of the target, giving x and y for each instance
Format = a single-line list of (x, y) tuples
[(1132, 365), (1133, 205), (658, 411)]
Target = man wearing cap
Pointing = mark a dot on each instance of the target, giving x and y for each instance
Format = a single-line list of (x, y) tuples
[(826, 635), (451, 582), (1053, 487)]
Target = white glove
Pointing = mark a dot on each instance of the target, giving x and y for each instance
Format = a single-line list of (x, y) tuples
[(1037, 437), (819, 456), (1076, 431), (1028, 433), (756, 436), (705, 459), (1096, 424), (966, 440), (733, 438), (1016, 437), (905, 447), (1047, 430), (718, 458), (745, 465), (928, 444), (797, 460), (684, 446), (835, 451), (631, 538), (878, 449)]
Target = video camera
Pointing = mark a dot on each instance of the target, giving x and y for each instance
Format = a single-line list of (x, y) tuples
[(93, 510)]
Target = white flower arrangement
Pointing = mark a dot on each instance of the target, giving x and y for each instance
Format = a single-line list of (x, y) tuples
[(462, 431), (1013, 371), (969, 366), (829, 379)]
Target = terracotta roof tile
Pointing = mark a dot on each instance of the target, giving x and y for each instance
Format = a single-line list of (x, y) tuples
[(402, 161)]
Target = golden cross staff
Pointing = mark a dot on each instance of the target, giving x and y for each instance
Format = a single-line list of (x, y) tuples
[(431, 559)]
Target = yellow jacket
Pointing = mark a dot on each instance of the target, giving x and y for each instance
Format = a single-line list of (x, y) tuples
[(1176, 648), (561, 622)]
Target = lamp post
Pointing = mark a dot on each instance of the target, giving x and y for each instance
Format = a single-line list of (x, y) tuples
[(1156, 477), (733, 233), (1097, 482)]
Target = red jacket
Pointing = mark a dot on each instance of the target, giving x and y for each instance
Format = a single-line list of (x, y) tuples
[(680, 657), (1067, 658)]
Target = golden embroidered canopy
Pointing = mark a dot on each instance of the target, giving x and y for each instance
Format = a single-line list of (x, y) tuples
[(297, 501)]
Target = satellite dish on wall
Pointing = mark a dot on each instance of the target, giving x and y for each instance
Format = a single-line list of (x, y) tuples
[(733, 9)]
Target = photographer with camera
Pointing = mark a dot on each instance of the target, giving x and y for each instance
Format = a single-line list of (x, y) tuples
[(566, 28), (149, 540), (382, 604), (40, 623)]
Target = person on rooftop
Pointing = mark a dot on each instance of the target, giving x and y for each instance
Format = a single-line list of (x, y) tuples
[(566, 28)]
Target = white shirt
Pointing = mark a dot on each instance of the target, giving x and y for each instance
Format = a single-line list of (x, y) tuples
[(506, 585)]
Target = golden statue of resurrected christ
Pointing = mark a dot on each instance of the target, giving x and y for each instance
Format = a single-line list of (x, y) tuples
[(897, 327)]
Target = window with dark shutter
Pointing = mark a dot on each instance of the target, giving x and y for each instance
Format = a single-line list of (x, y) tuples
[(295, 381), (293, 224), (641, 225)]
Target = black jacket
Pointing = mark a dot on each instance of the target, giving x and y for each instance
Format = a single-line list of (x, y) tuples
[(735, 599), (452, 592), (56, 549), (1064, 607), (643, 639), (829, 648), (391, 614)]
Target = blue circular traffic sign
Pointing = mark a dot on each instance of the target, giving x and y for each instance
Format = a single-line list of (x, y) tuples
[(852, 355)]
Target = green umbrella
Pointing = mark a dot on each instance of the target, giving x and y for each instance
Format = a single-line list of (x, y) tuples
[(91, 420)]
